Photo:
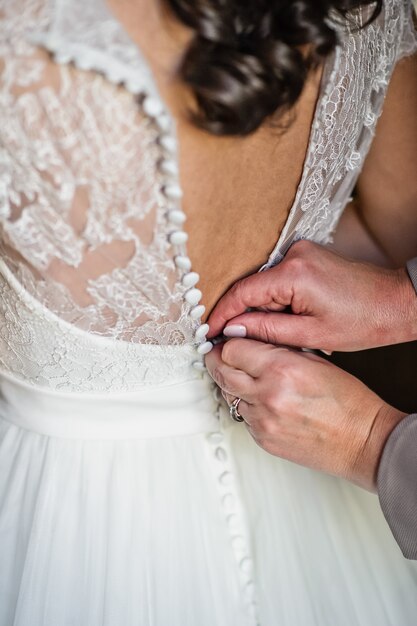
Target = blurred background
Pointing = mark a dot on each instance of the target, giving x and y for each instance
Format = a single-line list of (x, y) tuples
[(391, 372)]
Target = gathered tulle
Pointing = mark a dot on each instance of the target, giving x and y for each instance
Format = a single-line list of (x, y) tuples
[(112, 533), (122, 533)]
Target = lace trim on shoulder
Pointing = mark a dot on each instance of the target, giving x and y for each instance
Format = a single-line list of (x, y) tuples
[(92, 39), (355, 81), (408, 45)]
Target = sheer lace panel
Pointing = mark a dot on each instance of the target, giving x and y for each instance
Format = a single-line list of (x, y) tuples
[(83, 218)]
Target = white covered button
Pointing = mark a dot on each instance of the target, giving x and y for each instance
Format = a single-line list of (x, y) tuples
[(114, 76), (228, 501), (164, 122), (52, 44), (253, 611), (178, 238), (233, 522), (133, 86), (199, 366), (250, 587), (226, 478), (63, 58), (246, 565), (177, 217), (193, 296), (215, 437), (238, 543), (168, 143), (190, 279), (197, 312), (183, 263), (169, 167), (152, 106), (201, 332), (85, 63), (221, 455), (174, 192), (205, 348)]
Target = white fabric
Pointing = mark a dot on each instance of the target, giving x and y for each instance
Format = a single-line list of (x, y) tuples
[(156, 523), (158, 411)]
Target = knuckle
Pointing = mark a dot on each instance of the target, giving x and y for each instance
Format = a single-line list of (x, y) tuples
[(265, 330), (300, 257), (296, 265), (302, 247)]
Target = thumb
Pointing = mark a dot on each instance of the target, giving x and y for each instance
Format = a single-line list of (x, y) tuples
[(299, 331)]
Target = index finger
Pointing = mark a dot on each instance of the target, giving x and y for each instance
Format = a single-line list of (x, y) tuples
[(256, 291)]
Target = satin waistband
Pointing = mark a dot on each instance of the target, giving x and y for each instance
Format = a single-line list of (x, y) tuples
[(157, 411)]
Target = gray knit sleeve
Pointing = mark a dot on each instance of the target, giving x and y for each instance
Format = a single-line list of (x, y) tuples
[(412, 271), (397, 485), (397, 474)]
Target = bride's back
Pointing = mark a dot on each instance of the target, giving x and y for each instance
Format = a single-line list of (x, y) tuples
[(238, 191)]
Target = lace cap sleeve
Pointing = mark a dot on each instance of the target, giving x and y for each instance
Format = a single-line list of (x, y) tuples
[(408, 43)]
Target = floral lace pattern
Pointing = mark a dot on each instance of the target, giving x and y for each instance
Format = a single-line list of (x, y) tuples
[(355, 82), (81, 197), (83, 186)]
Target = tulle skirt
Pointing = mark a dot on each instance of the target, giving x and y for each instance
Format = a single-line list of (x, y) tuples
[(191, 529)]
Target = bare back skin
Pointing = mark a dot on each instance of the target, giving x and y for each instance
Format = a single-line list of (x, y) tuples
[(237, 191)]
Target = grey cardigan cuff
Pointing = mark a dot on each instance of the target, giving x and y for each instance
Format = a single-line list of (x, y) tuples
[(412, 271), (397, 485), (397, 474)]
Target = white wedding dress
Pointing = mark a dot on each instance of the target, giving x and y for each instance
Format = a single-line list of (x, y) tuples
[(127, 495)]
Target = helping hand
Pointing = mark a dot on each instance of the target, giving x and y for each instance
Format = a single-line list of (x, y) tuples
[(334, 303), (302, 408)]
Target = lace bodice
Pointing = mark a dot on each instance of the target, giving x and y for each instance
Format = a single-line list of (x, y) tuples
[(97, 288)]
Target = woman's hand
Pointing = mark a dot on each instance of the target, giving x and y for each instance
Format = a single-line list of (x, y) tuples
[(300, 407), (317, 299)]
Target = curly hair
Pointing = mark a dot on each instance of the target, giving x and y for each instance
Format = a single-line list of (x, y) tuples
[(249, 60)]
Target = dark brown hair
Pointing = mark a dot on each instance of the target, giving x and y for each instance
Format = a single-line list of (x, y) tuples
[(248, 60)]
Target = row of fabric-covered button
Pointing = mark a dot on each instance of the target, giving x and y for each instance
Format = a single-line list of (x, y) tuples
[(233, 511), (176, 217), (225, 476)]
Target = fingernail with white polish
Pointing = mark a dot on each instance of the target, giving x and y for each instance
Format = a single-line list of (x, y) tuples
[(235, 331)]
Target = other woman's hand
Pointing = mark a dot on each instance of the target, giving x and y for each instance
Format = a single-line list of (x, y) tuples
[(317, 299), (300, 407)]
